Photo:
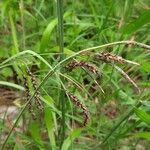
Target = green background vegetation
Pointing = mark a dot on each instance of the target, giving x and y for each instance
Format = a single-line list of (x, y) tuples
[(32, 36)]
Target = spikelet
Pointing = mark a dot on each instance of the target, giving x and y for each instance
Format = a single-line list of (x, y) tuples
[(81, 106), (108, 57), (37, 95), (27, 95), (91, 67), (127, 78)]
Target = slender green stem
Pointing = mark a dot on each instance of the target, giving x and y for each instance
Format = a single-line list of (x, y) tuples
[(61, 50), (60, 26), (57, 66)]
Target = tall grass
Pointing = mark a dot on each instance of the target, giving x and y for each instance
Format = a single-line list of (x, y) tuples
[(106, 86), (61, 50)]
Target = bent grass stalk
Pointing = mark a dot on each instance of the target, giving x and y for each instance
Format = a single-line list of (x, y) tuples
[(58, 65)]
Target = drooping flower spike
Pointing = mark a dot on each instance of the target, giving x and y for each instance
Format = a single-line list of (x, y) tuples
[(77, 102), (91, 67)]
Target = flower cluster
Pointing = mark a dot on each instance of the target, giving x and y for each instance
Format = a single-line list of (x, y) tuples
[(108, 57), (37, 94), (91, 67), (77, 102), (27, 95)]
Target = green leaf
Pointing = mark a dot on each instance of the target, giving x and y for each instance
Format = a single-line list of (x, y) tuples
[(131, 27), (12, 85), (145, 117), (47, 32), (13, 58), (19, 146), (7, 72), (145, 135), (35, 133), (49, 120), (66, 50), (145, 66), (50, 102), (74, 134)]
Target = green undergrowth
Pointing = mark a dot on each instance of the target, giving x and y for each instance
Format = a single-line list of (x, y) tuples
[(44, 36)]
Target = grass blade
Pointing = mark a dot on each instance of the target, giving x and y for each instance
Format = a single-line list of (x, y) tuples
[(145, 117), (12, 85), (50, 127), (74, 134), (145, 135), (57, 66)]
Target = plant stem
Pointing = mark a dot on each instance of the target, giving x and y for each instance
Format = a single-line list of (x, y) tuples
[(60, 26), (61, 49), (57, 66)]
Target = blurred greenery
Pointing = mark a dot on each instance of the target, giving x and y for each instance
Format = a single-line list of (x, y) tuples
[(30, 38)]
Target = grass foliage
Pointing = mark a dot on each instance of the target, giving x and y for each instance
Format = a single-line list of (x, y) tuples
[(110, 95)]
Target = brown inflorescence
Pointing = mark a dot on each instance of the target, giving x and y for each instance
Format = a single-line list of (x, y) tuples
[(27, 95), (37, 95), (81, 106), (108, 57), (91, 67)]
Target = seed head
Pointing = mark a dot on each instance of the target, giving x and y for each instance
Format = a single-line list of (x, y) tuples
[(91, 67), (76, 101), (108, 57)]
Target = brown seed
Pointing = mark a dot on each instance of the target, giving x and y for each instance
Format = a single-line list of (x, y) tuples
[(91, 67), (108, 57), (27, 94), (81, 106), (37, 95)]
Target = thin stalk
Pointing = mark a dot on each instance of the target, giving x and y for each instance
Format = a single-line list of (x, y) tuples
[(60, 64), (60, 27), (61, 50)]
